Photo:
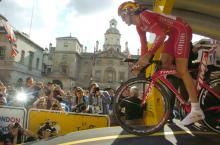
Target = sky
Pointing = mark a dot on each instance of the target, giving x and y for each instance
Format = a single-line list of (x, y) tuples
[(87, 20)]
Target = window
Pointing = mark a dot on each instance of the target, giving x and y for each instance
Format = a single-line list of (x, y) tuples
[(110, 62), (49, 70), (65, 44), (109, 75), (121, 76), (98, 75), (64, 69), (37, 63), (2, 53), (22, 56), (98, 62), (86, 62), (64, 58), (31, 57), (121, 62)]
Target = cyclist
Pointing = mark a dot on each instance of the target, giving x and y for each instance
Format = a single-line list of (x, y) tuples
[(176, 47)]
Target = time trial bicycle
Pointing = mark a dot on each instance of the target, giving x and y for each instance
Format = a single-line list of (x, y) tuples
[(133, 109)]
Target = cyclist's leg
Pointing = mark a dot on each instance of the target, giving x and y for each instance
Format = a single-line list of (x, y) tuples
[(182, 70), (181, 49), (196, 113), (167, 59)]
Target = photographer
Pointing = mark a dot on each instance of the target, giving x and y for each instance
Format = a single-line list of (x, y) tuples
[(32, 90), (46, 131), (91, 94), (82, 103), (15, 134), (58, 93), (56, 106), (102, 101)]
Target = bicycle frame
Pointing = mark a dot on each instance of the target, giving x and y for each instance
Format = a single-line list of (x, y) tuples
[(160, 76)]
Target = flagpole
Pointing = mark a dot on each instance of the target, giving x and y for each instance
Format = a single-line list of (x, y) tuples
[(32, 14)]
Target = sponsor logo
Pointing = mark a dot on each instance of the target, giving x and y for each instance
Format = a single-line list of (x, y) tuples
[(166, 20), (181, 43), (202, 69)]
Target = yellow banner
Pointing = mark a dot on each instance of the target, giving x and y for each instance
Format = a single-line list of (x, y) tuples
[(65, 122)]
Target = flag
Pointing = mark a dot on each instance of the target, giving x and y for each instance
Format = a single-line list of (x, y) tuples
[(14, 50), (7, 30)]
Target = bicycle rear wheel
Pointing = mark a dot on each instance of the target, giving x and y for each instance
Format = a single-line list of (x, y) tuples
[(210, 105), (136, 118)]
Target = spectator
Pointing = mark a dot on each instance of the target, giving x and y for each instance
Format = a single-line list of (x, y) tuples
[(46, 101), (105, 100), (68, 101), (97, 102), (15, 135), (47, 130), (58, 93), (112, 95), (91, 93), (32, 91), (40, 103), (56, 106), (132, 105), (82, 102)]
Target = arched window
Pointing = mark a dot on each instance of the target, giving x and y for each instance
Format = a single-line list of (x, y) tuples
[(109, 75)]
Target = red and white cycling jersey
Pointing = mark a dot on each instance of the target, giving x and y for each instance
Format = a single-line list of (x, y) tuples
[(178, 31)]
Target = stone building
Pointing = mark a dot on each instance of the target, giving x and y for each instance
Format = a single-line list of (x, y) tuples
[(27, 63), (70, 65), (14, 70)]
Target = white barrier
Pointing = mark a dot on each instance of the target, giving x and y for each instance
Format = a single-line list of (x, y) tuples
[(10, 115)]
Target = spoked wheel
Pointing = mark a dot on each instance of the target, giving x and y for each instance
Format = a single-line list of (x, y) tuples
[(210, 105), (178, 111), (136, 118)]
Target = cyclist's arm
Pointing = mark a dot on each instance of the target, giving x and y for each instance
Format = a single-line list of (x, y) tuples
[(159, 39), (153, 26), (143, 40)]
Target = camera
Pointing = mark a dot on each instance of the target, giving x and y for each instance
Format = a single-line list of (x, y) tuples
[(96, 89), (47, 125), (81, 107), (17, 125)]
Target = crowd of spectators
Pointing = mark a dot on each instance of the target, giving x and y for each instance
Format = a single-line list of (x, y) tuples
[(51, 96)]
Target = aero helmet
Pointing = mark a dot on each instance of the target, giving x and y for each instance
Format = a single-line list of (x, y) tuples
[(128, 7)]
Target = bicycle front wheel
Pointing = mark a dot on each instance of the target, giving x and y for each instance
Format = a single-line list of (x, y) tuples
[(136, 118), (210, 104)]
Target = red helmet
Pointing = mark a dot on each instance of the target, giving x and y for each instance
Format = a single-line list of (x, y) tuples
[(128, 7)]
